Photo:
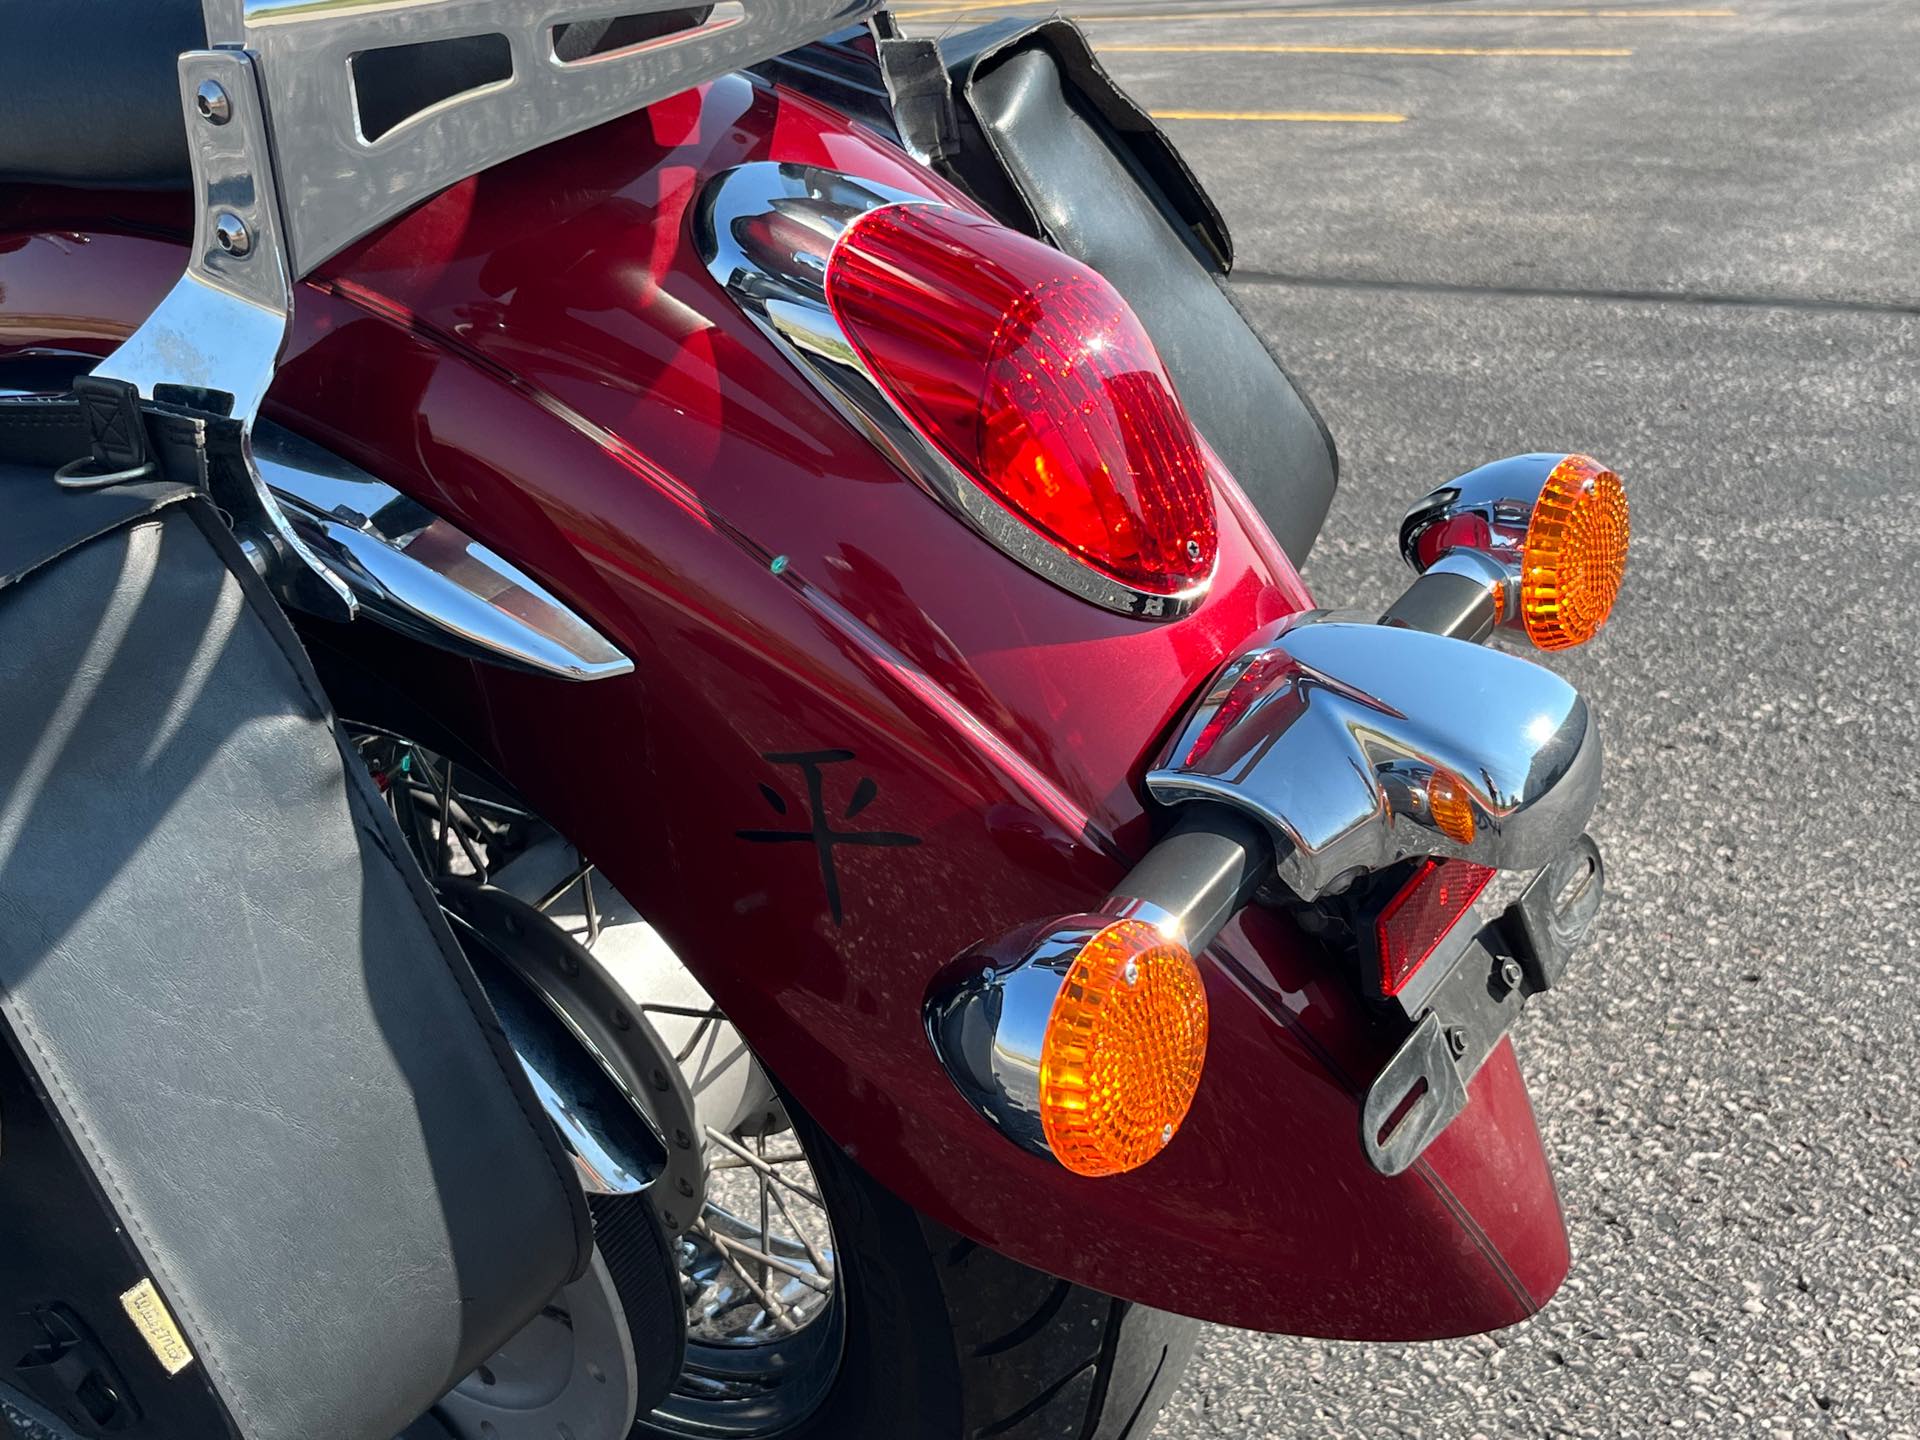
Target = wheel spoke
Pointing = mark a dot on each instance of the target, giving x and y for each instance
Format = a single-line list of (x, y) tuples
[(766, 1208), (724, 1249), (766, 1261), (496, 807), (448, 825), (445, 858), (734, 1147), (545, 902), (729, 1162), (820, 1262), (693, 1043)]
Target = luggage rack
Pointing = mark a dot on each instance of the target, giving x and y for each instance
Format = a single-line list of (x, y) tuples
[(285, 175)]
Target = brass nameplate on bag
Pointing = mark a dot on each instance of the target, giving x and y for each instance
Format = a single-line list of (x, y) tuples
[(153, 1320)]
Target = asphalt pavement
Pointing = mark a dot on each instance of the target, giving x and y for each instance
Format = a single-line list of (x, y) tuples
[(1684, 237)]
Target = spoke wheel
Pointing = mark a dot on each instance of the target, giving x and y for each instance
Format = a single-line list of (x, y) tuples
[(765, 1314)]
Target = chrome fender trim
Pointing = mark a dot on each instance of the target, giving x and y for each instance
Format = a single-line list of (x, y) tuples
[(421, 575), (403, 566), (1331, 735)]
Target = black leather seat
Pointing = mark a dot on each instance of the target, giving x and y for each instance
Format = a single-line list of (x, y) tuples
[(89, 94)]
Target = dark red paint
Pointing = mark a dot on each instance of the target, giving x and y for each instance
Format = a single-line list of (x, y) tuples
[(538, 355)]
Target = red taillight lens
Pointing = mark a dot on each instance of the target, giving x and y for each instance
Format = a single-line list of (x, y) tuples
[(1030, 373), (1419, 917)]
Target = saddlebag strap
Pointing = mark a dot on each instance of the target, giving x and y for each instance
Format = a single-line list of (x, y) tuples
[(231, 983)]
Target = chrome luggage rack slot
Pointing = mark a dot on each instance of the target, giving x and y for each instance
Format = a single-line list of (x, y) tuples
[(338, 185)]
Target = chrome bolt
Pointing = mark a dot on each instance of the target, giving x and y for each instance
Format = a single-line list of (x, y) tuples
[(1132, 972), (1457, 1041), (1193, 550), (231, 234), (212, 103), (1166, 1134), (1511, 974)]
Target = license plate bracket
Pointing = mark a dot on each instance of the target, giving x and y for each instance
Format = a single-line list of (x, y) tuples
[(1423, 1087)]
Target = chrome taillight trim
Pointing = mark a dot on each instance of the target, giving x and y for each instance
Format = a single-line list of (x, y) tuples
[(766, 232), (1336, 731)]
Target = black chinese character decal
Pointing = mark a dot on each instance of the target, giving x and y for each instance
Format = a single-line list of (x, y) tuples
[(821, 833)]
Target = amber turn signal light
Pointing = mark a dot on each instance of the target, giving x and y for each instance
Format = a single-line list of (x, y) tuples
[(1575, 554), (1451, 808), (1088, 1048), (1543, 537), (1124, 1049)]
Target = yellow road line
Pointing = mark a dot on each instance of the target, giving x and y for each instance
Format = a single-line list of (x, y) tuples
[(1571, 53), (1564, 13), (1301, 117)]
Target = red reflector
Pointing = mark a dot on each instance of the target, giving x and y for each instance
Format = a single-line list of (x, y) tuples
[(1030, 373), (1418, 918)]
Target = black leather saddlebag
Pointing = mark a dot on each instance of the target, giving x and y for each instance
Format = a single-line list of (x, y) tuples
[(267, 1164)]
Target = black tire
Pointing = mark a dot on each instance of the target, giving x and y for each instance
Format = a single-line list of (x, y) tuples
[(949, 1340)]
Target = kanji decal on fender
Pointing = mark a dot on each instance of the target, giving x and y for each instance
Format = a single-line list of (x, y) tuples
[(820, 831)]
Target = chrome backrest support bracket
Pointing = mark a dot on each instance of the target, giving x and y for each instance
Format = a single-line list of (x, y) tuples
[(215, 339)]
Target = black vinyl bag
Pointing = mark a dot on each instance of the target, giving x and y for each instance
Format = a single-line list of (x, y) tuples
[(294, 1147)]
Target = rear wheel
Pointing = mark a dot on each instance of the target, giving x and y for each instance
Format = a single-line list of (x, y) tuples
[(818, 1305)]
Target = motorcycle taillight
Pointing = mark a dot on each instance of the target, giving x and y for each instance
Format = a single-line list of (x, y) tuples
[(1031, 374)]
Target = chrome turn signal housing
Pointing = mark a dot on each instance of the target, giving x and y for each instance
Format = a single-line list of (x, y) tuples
[(1545, 535), (1088, 1048)]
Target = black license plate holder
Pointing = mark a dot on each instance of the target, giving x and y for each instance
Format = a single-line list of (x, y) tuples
[(1423, 1087)]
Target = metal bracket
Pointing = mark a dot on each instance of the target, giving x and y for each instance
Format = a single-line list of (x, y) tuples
[(1412, 1100), (215, 339), (921, 93), (340, 185), (1420, 1091)]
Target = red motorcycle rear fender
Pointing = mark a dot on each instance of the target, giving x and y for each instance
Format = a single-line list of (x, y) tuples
[(858, 739)]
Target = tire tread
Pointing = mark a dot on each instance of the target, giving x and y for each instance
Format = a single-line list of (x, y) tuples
[(1077, 1365)]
